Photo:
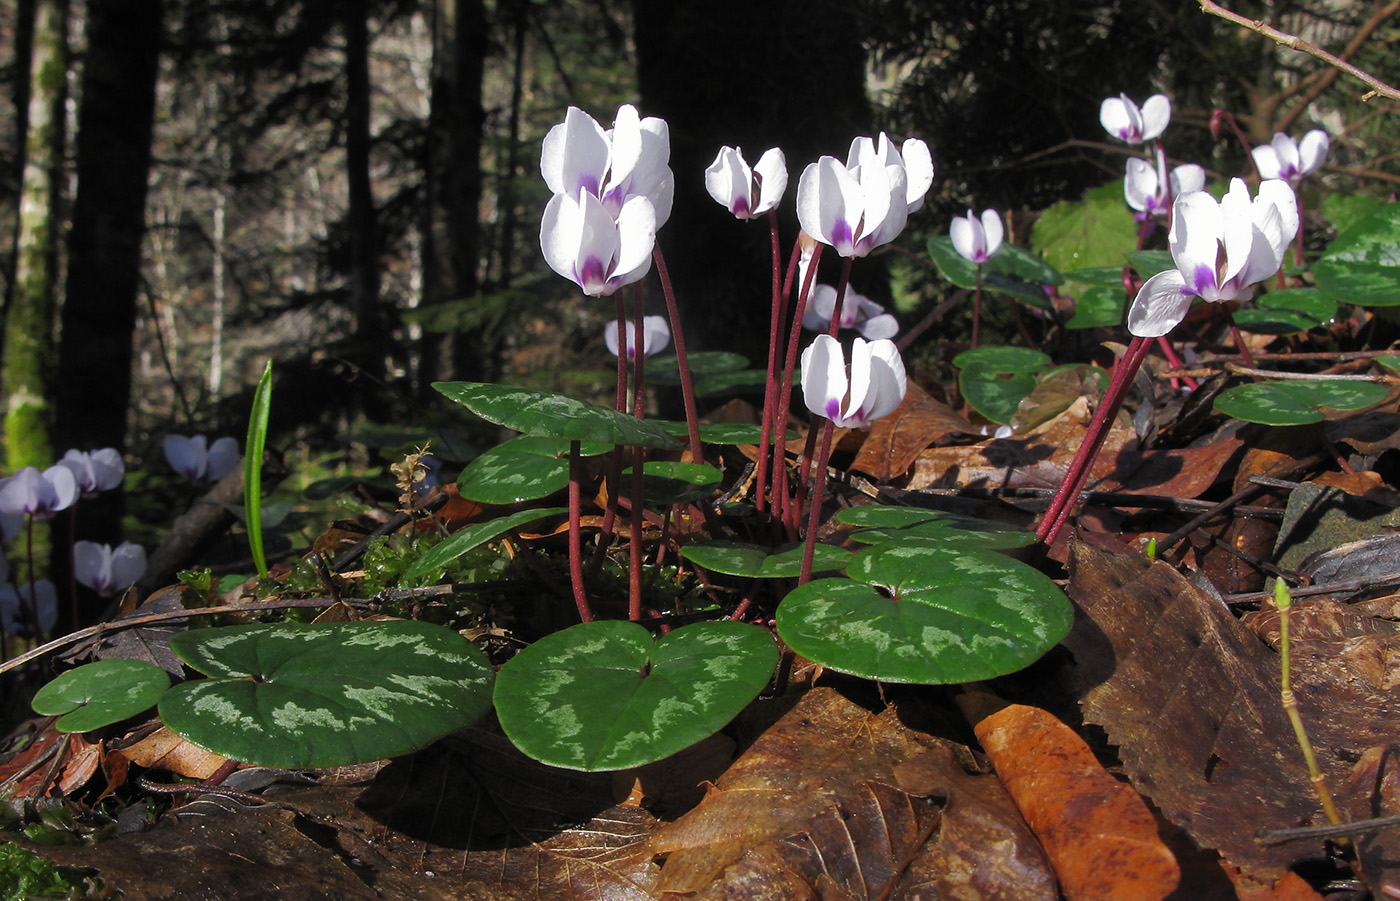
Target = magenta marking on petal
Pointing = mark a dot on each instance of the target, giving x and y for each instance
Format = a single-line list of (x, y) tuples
[(588, 182), (1202, 278), (841, 235), (591, 276), (740, 207), (833, 409)]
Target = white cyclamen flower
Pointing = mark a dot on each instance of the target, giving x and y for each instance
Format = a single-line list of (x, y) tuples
[(198, 461), (857, 311), (874, 387), (656, 334), (1290, 161), (1123, 119), (977, 241), (629, 160), (1221, 250), (860, 206), (97, 471), (746, 192), (106, 570), (38, 494), (584, 243), (1150, 190)]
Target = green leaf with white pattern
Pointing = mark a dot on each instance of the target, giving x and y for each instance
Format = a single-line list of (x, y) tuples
[(473, 536), (1297, 402), (719, 432), (1287, 312), (758, 562), (317, 695), (606, 696), (525, 468), (665, 482), (666, 370), (1363, 265), (915, 526), (927, 615), (100, 693), (535, 412)]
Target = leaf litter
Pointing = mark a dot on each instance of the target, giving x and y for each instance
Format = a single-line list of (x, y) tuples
[(837, 799)]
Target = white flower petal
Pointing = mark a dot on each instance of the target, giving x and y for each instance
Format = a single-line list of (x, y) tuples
[(1238, 237), (1161, 303), (1194, 239), (1120, 118), (1140, 184), (861, 390), (966, 235), (883, 325), (1312, 150), (824, 377), (1286, 149), (826, 195), (918, 165), (1188, 178), (575, 154), (993, 230), (1267, 162), (773, 176), (128, 565), (185, 456), (1156, 115), (636, 231), (1280, 195)]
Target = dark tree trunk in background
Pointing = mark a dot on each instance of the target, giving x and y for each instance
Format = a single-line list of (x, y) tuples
[(113, 149), (109, 217), (452, 245), (362, 242), (791, 74)]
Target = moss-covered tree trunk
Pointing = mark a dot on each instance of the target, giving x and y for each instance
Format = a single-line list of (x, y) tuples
[(29, 321)]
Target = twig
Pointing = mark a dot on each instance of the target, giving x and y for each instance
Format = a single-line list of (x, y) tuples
[(1287, 469), (1303, 376), (1293, 42)]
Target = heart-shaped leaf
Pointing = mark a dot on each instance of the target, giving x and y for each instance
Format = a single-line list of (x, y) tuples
[(1014, 271), (535, 412), (463, 540), (912, 525), (1092, 232), (317, 695), (994, 380), (606, 696), (1363, 265), (1098, 306), (1003, 359), (1297, 402), (730, 381), (666, 370), (734, 559), (665, 482), (524, 468), (927, 615), (720, 432), (101, 693), (1286, 312)]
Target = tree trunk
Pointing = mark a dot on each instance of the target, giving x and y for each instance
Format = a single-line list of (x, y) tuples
[(452, 167), (362, 234), (718, 85), (29, 320)]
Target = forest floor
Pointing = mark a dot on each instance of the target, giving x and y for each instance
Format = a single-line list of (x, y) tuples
[(1148, 755)]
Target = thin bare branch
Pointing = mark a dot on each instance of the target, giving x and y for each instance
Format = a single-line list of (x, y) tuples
[(1293, 42)]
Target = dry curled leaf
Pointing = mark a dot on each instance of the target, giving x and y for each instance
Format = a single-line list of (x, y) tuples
[(1101, 838)]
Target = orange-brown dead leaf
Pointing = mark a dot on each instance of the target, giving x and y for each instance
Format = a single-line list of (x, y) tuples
[(1101, 838), (896, 440), (164, 750)]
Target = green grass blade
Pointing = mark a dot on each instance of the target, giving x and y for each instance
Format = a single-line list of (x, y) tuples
[(252, 468)]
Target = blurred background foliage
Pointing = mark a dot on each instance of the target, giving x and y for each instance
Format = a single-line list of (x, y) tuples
[(352, 188)]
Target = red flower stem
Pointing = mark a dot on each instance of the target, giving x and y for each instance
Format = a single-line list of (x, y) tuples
[(977, 305), (1298, 245), (585, 612), (634, 550), (1244, 141), (785, 394), (770, 385), (804, 468), (840, 296), (621, 402), (1239, 338), (692, 418), (639, 409), (1063, 501), (814, 519)]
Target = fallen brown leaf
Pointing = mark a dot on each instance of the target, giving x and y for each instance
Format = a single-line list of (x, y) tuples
[(896, 440), (834, 801), (1100, 837), (164, 750)]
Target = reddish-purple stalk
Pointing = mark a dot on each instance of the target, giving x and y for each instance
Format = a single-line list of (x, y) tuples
[(585, 612), (614, 475), (33, 590), (639, 409), (1060, 505), (779, 481), (814, 517), (770, 386), (1239, 135), (977, 305), (692, 418)]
